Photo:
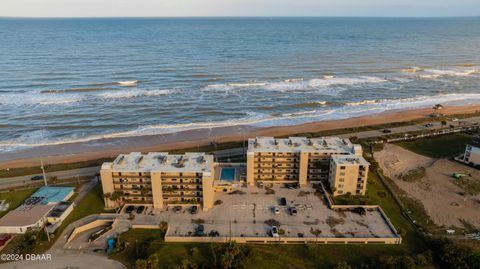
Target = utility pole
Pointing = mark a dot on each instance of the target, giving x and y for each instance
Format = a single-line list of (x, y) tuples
[(45, 228), (43, 171)]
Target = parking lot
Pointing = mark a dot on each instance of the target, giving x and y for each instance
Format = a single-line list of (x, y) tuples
[(249, 212)]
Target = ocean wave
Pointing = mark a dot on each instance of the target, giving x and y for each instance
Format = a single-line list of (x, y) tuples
[(310, 104), (126, 94), (31, 99), (411, 70), (75, 90), (127, 83), (330, 81), (361, 108), (437, 73), (364, 102), (298, 84)]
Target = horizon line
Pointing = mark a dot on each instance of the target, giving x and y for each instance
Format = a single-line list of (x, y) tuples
[(206, 17)]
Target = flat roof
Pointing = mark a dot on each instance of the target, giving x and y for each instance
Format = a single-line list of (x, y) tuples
[(299, 144), (349, 160), (59, 209), (161, 162), (25, 215), (53, 194)]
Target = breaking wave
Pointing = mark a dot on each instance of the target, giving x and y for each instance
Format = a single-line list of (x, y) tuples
[(126, 94), (347, 110), (299, 84)]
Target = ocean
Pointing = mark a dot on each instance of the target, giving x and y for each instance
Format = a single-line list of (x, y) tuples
[(67, 80)]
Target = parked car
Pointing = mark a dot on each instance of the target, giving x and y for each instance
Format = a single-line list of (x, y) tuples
[(360, 211), (129, 209), (428, 125), (293, 211), (140, 209), (4, 239), (194, 209), (283, 201), (177, 209), (36, 178), (276, 210), (274, 231), (386, 131), (200, 230), (213, 233)]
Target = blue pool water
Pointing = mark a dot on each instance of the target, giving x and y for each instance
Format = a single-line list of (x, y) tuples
[(53, 194), (227, 174)]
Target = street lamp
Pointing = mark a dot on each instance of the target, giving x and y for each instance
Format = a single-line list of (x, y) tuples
[(43, 171)]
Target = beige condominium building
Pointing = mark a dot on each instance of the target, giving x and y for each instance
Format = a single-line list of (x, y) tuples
[(348, 174), (159, 179), (298, 159)]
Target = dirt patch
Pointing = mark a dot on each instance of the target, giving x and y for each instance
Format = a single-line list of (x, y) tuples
[(332, 221), (443, 198)]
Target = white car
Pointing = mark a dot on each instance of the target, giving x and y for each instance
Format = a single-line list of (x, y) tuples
[(276, 210), (274, 231)]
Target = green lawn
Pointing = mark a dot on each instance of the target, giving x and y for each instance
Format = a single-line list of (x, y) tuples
[(438, 147), (15, 198)]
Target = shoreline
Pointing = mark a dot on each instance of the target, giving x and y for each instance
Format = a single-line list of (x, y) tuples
[(110, 147)]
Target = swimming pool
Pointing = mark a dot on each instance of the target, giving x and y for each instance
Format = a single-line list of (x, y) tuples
[(53, 194), (227, 173)]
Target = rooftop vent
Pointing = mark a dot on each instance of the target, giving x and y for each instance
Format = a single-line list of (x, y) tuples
[(179, 162), (139, 160), (290, 143), (275, 142), (201, 159), (309, 142), (344, 142), (161, 159)]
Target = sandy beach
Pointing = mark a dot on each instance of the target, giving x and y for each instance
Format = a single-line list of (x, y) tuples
[(110, 147)]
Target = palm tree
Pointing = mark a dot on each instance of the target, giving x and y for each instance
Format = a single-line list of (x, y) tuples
[(152, 261)]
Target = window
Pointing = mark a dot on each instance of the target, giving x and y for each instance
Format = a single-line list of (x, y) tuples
[(341, 180), (342, 173), (342, 167)]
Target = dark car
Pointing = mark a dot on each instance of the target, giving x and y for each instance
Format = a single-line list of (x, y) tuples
[(194, 209), (200, 230), (140, 209), (360, 211), (283, 201), (293, 211), (386, 131), (36, 178), (177, 209), (129, 209)]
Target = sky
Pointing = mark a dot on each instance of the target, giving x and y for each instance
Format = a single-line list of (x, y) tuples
[(167, 8)]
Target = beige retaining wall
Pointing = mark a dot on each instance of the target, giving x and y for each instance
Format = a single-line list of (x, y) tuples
[(283, 240), (88, 226)]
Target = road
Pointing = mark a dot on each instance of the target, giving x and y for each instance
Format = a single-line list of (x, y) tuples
[(6, 183)]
